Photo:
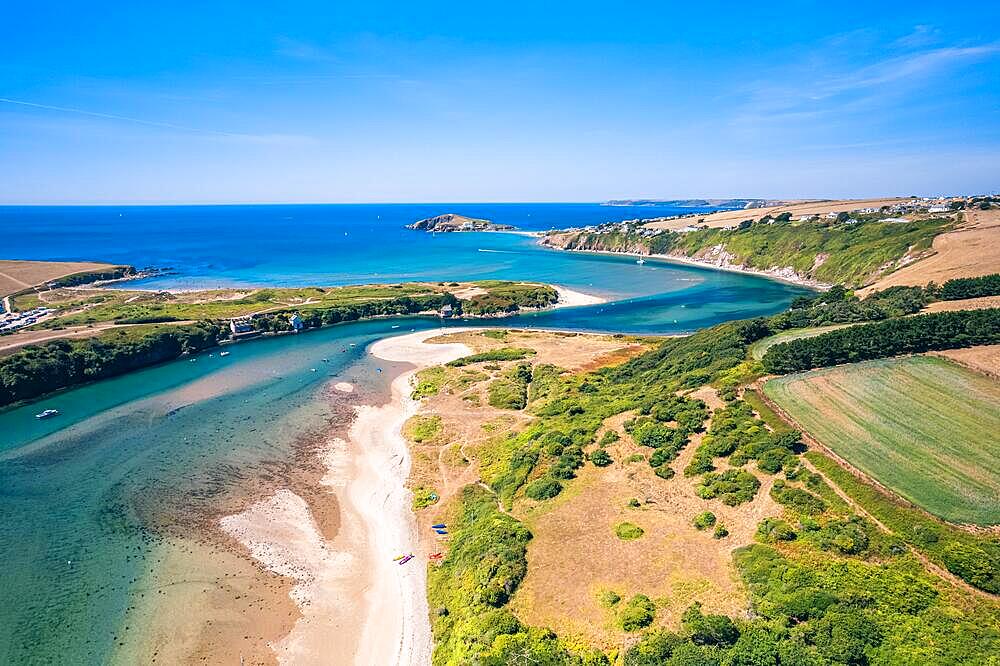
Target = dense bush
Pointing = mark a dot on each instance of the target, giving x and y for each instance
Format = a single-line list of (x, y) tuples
[(664, 471), (502, 354), (637, 613), (601, 458), (733, 487), (708, 629), (628, 531), (543, 488), (774, 529), (704, 520), (800, 501), (959, 288), (921, 333)]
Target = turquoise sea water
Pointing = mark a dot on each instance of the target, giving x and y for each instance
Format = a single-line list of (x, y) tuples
[(85, 497)]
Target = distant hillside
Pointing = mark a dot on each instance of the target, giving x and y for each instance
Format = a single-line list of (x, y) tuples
[(855, 252), (738, 204), (455, 222)]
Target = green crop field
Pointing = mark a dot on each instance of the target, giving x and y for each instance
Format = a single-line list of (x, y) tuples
[(922, 426)]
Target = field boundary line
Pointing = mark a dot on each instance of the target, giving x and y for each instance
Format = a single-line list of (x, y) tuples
[(934, 568)]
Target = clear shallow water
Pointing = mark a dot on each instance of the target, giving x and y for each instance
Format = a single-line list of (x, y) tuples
[(221, 246), (84, 497), (82, 507)]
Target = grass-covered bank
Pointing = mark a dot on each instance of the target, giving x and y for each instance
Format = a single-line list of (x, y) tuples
[(824, 584), (852, 251), (149, 338)]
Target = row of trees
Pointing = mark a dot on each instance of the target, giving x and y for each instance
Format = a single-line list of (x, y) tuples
[(39, 369), (906, 335), (959, 288)]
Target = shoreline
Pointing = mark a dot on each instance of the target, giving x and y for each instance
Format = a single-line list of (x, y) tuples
[(698, 263), (355, 604), (570, 298)]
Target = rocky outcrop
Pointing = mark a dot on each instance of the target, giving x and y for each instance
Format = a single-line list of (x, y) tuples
[(455, 222)]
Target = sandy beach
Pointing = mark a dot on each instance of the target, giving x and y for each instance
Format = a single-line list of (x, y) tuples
[(569, 298), (357, 604)]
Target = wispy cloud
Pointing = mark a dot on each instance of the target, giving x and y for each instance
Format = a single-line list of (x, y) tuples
[(254, 138), (299, 50), (802, 93)]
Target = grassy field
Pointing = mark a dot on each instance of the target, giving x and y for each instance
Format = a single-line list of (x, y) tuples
[(16, 275), (759, 348), (921, 426)]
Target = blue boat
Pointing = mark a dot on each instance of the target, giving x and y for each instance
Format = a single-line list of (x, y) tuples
[(439, 526)]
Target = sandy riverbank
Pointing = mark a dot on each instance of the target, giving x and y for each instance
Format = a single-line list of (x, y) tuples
[(357, 605), (569, 298)]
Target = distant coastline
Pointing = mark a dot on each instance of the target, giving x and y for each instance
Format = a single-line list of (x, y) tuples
[(778, 275)]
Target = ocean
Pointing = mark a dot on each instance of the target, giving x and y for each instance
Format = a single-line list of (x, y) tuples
[(132, 462)]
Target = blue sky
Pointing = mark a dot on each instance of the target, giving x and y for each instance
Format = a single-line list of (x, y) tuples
[(335, 102)]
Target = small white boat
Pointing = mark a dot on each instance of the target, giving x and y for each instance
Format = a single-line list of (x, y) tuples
[(47, 414), (396, 326), (640, 261), (225, 353)]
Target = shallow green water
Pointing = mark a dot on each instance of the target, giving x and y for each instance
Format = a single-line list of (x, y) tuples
[(80, 508)]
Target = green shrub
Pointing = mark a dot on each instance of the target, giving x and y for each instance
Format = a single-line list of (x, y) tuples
[(721, 532), (609, 437), (664, 471), (704, 520), (425, 428), (708, 629), (798, 500), (638, 613), (502, 354), (543, 488), (609, 598), (733, 486), (601, 458), (424, 496), (771, 530), (628, 531), (429, 382), (511, 390)]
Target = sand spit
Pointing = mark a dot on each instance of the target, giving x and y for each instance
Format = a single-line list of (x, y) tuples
[(357, 604), (569, 298), (397, 627)]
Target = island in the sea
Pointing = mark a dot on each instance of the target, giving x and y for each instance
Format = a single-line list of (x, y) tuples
[(456, 222)]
